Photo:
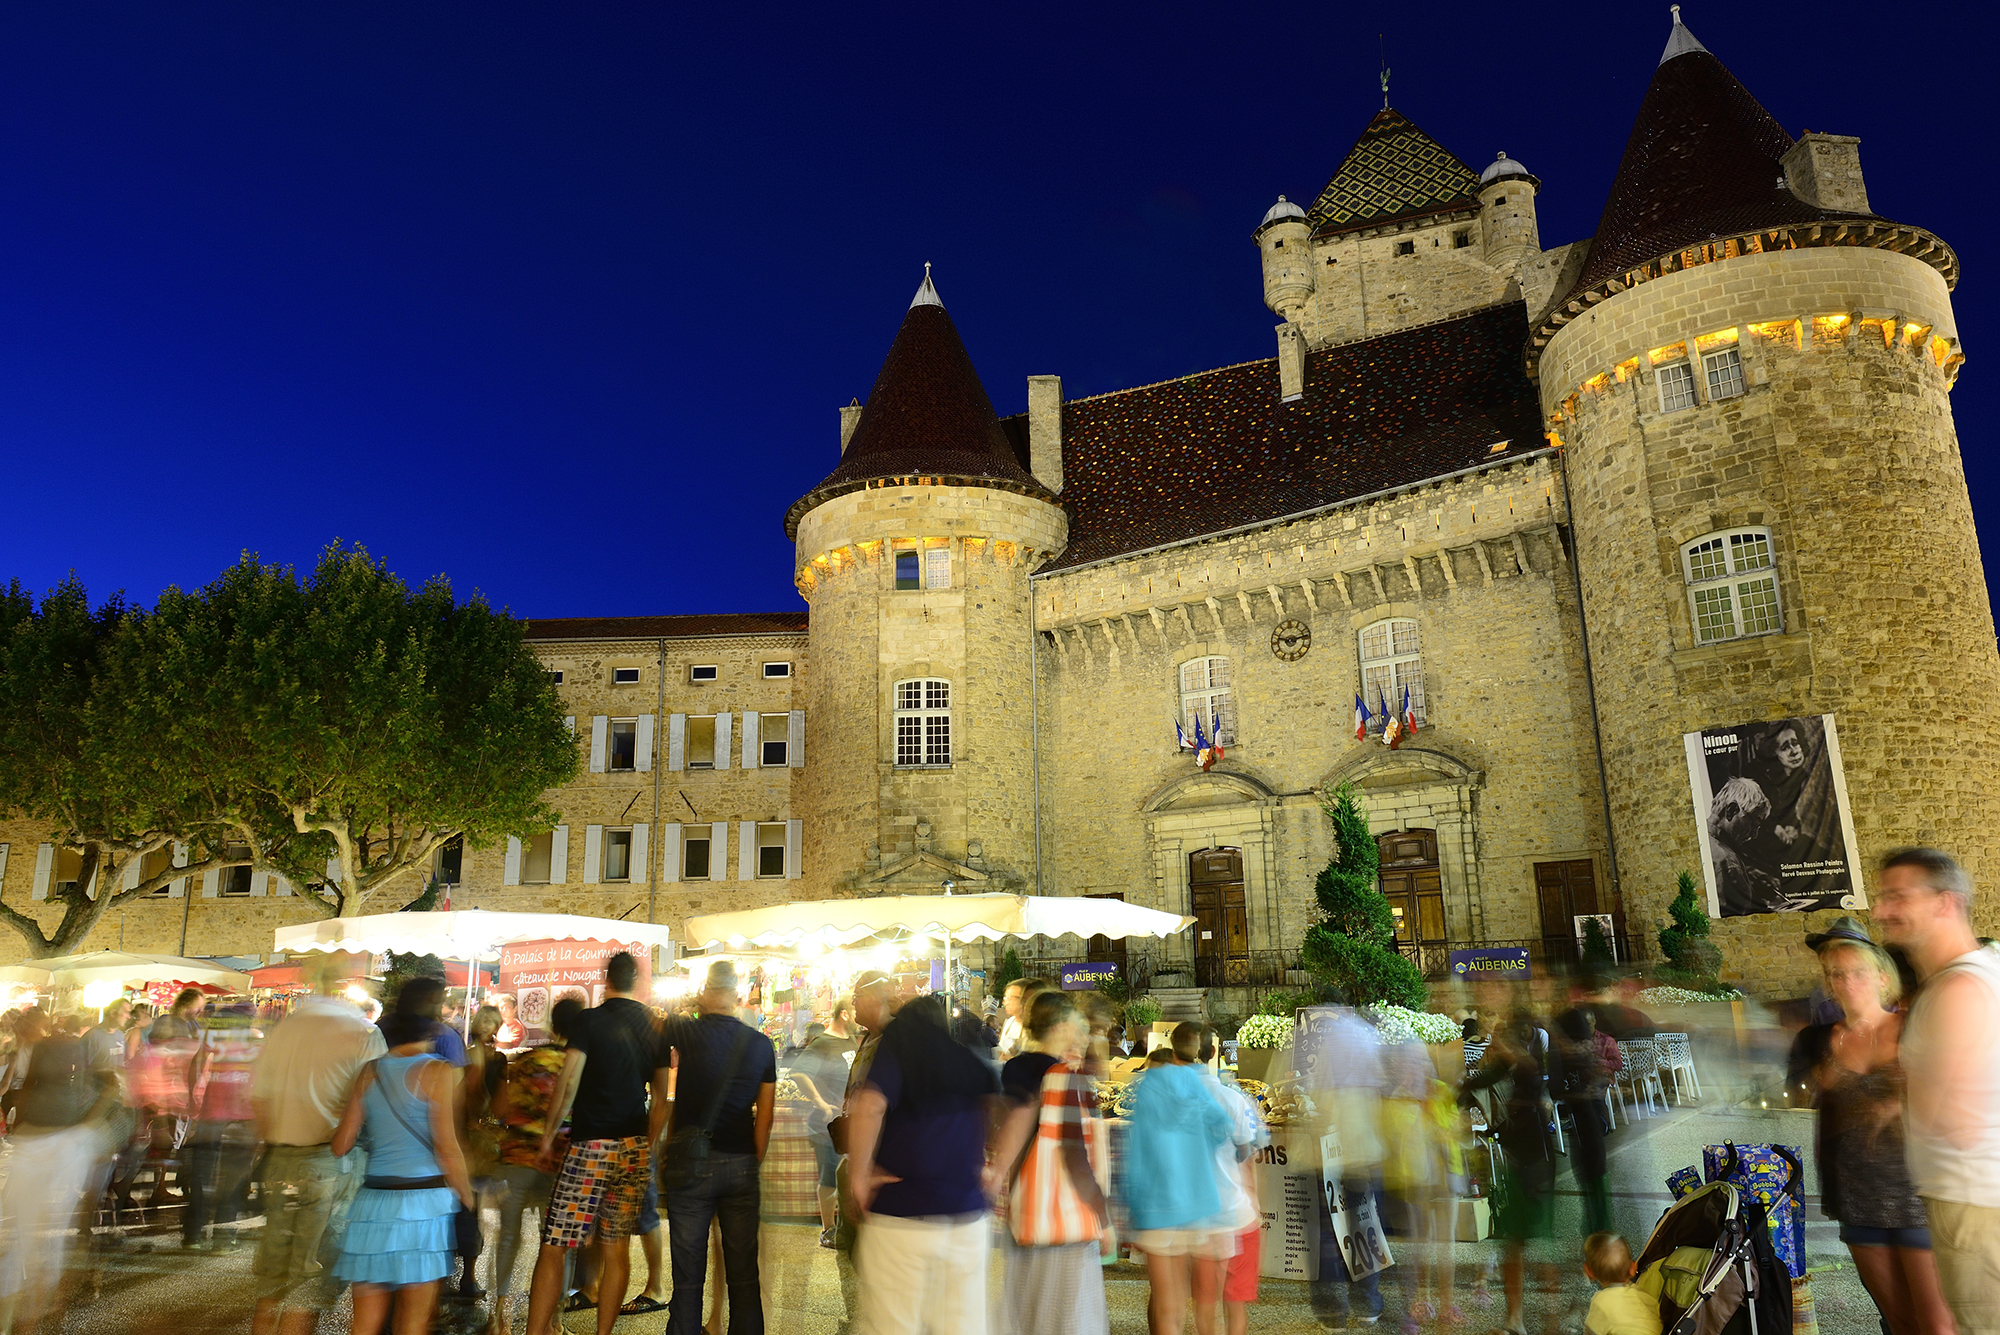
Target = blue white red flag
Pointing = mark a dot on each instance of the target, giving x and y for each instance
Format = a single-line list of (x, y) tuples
[(1409, 715), (1361, 717)]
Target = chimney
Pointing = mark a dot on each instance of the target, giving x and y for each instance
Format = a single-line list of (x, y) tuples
[(1291, 362), (1045, 430), (850, 417), (1825, 170)]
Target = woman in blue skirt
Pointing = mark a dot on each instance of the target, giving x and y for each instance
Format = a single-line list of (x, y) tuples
[(399, 1233)]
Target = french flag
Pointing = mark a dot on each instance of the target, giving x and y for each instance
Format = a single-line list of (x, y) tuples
[(1361, 717), (1409, 715)]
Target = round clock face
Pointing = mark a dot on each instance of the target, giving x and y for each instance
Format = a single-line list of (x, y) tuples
[(1290, 640)]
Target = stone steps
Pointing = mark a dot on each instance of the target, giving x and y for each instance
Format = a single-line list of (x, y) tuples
[(1181, 1003)]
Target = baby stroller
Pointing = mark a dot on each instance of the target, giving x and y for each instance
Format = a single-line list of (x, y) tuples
[(1711, 1266)]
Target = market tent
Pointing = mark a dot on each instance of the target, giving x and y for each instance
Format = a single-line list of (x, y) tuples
[(840, 922), (118, 966), (24, 974), (464, 934)]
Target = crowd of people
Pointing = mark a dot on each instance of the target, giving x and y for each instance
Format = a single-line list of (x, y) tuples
[(387, 1153)]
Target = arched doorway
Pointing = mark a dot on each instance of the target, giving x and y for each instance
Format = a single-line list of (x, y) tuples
[(1221, 917), (1415, 890)]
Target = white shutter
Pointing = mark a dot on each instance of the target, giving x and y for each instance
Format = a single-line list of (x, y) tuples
[(641, 850), (746, 851), (45, 865), (3, 863), (570, 723), (593, 843), (178, 889), (642, 750), (753, 738), (599, 726), (280, 884), (559, 856), (677, 731), (722, 741), (718, 851), (794, 835), (132, 869), (670, 852), (511, 873), (260, 884), (211, 883), (795, 746)]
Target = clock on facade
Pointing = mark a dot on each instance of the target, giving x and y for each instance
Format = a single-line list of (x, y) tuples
[(1290, 640)]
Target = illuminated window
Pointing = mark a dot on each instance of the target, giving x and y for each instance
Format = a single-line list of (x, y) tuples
[(923, 723), (1392, 661), (1725, 374), (1732, 585), (537, 858), (1676, 387), (700, 741), (1208, 696)]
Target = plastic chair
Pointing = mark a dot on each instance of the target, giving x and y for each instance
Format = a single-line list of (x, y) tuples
[(1676, 1058), (1642, 1073)]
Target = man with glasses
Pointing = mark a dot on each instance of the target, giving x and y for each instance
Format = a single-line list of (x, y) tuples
[(1951, 1067)]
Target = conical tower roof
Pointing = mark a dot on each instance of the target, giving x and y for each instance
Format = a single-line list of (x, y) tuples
[(1705, 161), (927, 420), (1394, 171)]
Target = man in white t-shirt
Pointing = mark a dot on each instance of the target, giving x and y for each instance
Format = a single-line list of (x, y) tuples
[(1951, 1067)]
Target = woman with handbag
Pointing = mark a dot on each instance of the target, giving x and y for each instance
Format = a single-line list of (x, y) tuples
[(1041, 1176), (399, 1230)]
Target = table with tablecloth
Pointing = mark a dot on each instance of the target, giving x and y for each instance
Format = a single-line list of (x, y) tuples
[(790, 1173)]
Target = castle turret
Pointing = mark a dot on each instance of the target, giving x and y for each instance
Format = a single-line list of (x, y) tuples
[(1507, 213), (915, 554), (1771, 517), (1283, 245)]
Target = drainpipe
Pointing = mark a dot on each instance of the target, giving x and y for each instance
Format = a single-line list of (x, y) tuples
[(1035, 724), (652, 852), (1590, 689)]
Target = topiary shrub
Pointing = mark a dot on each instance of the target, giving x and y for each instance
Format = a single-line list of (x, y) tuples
[(1598, 956), (1353, 944), (1009, 971), (1691, 956), (1364, 971)]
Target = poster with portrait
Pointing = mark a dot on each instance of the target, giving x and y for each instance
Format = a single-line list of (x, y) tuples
[(1770, 804)]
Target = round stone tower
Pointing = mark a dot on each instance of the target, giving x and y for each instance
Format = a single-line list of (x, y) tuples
[(915, 554), (1284, 246), (1751, 378), (1507, 213)]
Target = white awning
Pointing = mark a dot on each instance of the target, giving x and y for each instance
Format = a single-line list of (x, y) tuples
[(465, 934), (840, 922)]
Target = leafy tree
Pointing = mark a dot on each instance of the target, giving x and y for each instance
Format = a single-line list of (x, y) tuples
[(1598, 955), (1685, 944), (333, 730), (1353, 944), (1009, 970)]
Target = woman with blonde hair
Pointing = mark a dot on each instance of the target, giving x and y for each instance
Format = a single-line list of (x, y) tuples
[(1850, 1071)]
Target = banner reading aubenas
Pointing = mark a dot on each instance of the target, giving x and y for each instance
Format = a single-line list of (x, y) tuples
[(1770, 805)]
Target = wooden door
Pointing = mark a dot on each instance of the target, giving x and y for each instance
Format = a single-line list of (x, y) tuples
[(1222, 916), (1564, 889), (1415, 889), (1107, 949)]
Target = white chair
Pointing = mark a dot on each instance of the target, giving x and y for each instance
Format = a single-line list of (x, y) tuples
[(1641, 1075), (1676, 1058)]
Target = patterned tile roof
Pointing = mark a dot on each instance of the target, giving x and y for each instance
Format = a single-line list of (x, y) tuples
[(700, 625), (1393, 171), (927, 417), (1218, 451)]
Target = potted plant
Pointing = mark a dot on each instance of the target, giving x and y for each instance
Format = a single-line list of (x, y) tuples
[(1140, 1015), (1258, 1043)]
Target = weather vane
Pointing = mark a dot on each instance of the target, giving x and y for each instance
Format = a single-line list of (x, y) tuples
[(1384, 50)]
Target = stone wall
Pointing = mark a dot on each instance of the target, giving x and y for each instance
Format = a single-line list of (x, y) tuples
[(1364, 286), (1843, 445)]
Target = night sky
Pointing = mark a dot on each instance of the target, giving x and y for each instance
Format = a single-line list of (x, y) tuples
[(561, 299)]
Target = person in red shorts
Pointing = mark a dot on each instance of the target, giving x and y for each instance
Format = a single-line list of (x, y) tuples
[(1239, 1283)]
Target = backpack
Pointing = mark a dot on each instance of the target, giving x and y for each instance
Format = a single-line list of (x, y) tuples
[(60, 1088)]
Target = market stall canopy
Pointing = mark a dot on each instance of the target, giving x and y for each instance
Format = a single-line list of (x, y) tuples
[(117, 966), (840, 922), (24, 974), (462, 934)]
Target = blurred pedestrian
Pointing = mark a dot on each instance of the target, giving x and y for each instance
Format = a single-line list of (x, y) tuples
[(512, 1035), (222, 1142), (1515, 1066), (919, 1148), (399, 1234), (136, 1027), (1339, 1055), (520, 1182), (1175, 1129), (1586, 1079), (615, 1058), (424, 998), (299, 1090), (181, 1024), (1234, 1279), (1850, 1070), (725, 1089), (821, 1074), (1951, 1065)]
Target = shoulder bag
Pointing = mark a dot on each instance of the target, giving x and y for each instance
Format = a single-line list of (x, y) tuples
[(688, 1148)]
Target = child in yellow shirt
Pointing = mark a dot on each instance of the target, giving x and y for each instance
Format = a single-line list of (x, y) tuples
[(1618, 1308)]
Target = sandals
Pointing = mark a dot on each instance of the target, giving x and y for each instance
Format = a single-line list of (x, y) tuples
[(576, 1302), (640, 1305)]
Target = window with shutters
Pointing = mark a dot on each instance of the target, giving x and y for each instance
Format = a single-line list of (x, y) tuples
[(537, 858), (774, 736), (153, 864), (1676, 387), (1732, 585), (617, 855), (69, 866), (235, 881), (923, 723), (1208, 697), (694, 857), (771, 850), (1392, 662), (1724, 370), (621, 747), (909, 570), (701, 741), (450, 860)]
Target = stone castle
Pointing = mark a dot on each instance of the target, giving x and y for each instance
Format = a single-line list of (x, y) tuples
[(1493, 476)]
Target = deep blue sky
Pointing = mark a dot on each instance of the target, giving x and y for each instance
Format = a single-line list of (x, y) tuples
[(560, 299)]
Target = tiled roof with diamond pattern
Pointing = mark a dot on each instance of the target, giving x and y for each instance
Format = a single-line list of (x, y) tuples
[(1394, 171)]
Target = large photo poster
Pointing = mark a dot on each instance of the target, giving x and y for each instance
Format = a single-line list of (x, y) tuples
[(1770, 802)]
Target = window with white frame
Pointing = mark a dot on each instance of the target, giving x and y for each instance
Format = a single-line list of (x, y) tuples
[(617, 865), (923, 722), (235, 881), (937, 568), (538, 858), (909, 570), (1392, 661), (1676, 387), (621, 747), (777, 669), (1732, 585), (1724, 370), (774, 736), (700, 741), (771, 850), (694, 856), (625, 676), (702, 672), (153, 864), (1208, 697)]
